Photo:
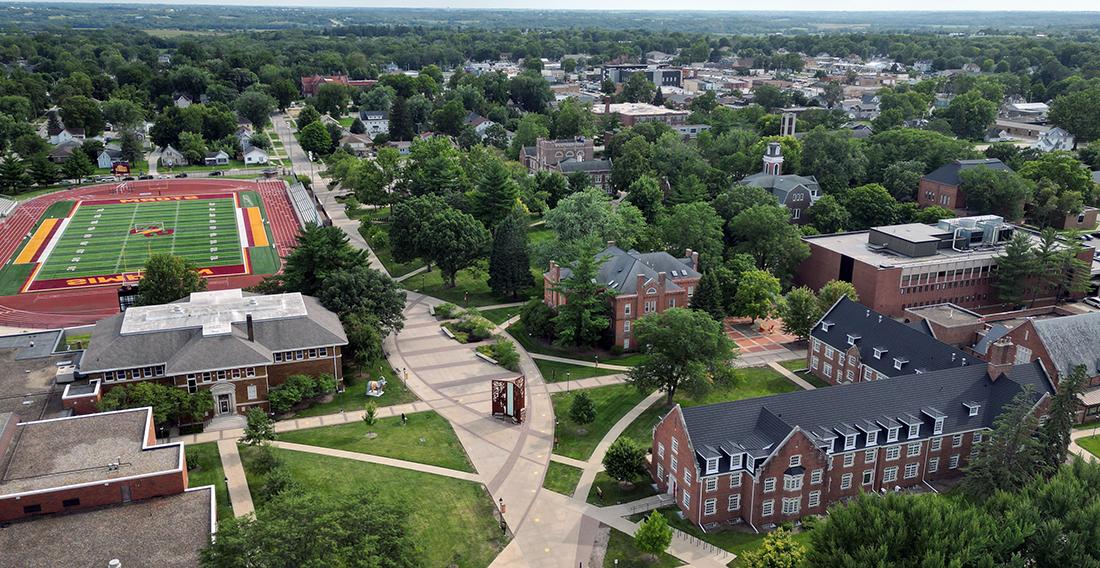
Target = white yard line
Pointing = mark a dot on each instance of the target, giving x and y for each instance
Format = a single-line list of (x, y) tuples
[(126, 239), (175, 223)]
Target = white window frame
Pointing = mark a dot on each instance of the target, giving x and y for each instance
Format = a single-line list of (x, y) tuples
[(796, 460), (977, 437), (626, 309), (870, 456), (914, 431), (846, 481), (769, 485), (912, 450), (711, 484), (956, 440), (953, 463), (712, 465), (686, 498), (937, 428), (933, 465), (661, 450), (892, 433), (675, 445), (872, 438), (912, 470), (893, 453), (936, 444), (849, 460), (735, 480), (710, 506), (792, 505), (687, 476), (733, 503), (814, 500), (890, 474), (792, 482), (816, 476), (868, 477), (767, 508)]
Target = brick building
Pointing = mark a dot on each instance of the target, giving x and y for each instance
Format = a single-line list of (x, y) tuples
[(97, 488), (767, 460), (853, 343), (902, 266), (796, 193), (942, 186), (642, 283), (659, 75), (238, 345), (567, 156), (630, 114)]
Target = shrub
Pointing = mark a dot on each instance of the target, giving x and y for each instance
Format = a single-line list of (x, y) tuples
[(504, 351), (582, 411), (369, 413), (283, 399), (537, 319), (192, 461), (277, 482), (381, 240), (326, 384), (481, 332), (305, 385), (624, 460), (461, 337), (266, 460), (445, 310)]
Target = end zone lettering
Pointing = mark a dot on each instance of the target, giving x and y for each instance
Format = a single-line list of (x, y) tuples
[(154, 199), (99, 280)]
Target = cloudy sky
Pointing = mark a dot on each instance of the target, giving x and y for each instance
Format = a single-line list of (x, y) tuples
[(725, 5)]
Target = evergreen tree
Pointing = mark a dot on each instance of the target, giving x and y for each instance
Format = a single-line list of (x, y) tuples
[(1007, 458), (131, 149), (581, 410), (495, 196), (583, 318), (1054, 433), (43, 171), (13, 175), (357, 126), (1015, 268), (509, 265), (708, 296), (401, 127), (78, 167)]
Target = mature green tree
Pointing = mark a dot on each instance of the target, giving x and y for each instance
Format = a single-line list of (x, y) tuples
[(284, 91), (637, 89), (434, 166), (77, 167), (320, 252), (646, 194), (132, 148), (588, 219), (779, 550), (903, 144), (530, 128), (456, 240), (827, 215), (192, 146), (123, 114), (832, 291), (332, 99), (694, 226), (357, 126), (362, 289), (530, 91), (167, 278), (708, 295), (833, 93), (765, 233), (757, 294), (1054, 433), (573, 118), (83, 112), (450, 117), (495, 196), (1000, 192), (1078, 113), (581, 410), (653, 535), (624, 460), (315, 138), (42, 170), (769, 96), (634, 161), (364, 338), (870, 206), (686, 349), (317, 529), (410, 227), (509, 264), (372, 180), (169, 404), (970, 114), (901, 179), (1016, 267), (583, 318), (834, 158), (259, 427), (1007, 458), (799, 311), (255, 106)]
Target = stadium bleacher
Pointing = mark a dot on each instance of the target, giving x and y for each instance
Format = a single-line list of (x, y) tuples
[(303, 204)]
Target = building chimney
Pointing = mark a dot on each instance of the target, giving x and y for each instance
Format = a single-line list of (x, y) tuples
[(661, 280), (248, 326), (1002, 356), (695, 261)]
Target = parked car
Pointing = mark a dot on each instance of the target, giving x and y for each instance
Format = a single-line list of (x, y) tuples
[(1096, 234), (128, 178), (181, 175), (216, 173), (104, 179), (1093, 301), (146, 176)]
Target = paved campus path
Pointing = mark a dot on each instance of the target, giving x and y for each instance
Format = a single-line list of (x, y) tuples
[(579, 362), (1078, 450), (595, 463), (790, 375), (239, 495), (369, 458)]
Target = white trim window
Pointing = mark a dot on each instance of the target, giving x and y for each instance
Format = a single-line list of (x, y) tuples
[(956, 440), (767, 508), (816, 476), (977, 437), (673, 464), (796, 460), (893, 453), (675, 445), (933, 465), (792, 505), (953, 463), (769, 485), (936, 444), (846, 481), (734, 502), (661, 450), (687, 476), (792, 482), (870, 456), (890, 474), (914, 431), (892, 433), (712, 465), (911, 470), (849, 460), (868, 476), (735, 480), (711, 484), (710, 507), (815, 499), (626, 309), (912, 450), (251, 392), (686, 499)]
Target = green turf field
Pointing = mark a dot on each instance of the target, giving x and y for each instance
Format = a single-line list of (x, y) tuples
[(117, 238)]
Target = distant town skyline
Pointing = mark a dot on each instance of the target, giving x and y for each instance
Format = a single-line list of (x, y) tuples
[(661, 5)]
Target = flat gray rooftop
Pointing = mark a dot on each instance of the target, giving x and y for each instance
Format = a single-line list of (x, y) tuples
[(27, 387), (946, 315), (166, 532), (31, 345), (854, 244), (913, 232), (56, 453), (215, 312)]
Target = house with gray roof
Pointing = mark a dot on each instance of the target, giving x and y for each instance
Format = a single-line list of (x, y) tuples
[(638, 284), (767, 460), (796, 193), (238, 345)]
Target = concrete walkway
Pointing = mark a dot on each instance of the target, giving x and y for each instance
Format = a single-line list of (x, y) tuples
[(595, 462), (579, 362), (1078, 450), (369, 458), (589, 383), (239, 495), (790, 375)]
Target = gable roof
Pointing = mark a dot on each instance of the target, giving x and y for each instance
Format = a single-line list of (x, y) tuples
[(948, 174), (757, 425), (1071, 341), (620, 269), (919, 351), (782, 186)]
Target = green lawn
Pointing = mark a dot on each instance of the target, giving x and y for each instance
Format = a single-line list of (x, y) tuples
[(1091, 443), (535, 345), (613, 494), (539, 234), (346, 121), (621, 553), (452, 520), (748, 383), (733, 540), (500, 315), (579, 441), (385, 253), (793, 364), (428, 438), (561, 478), (468, 282), (232, 165), (555, 372), (209, 472), (813, 379), (354, 396), (798, 367)]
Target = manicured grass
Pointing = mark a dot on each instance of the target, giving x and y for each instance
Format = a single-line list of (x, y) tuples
[(232, 165), (561, 478), (580, 440), (621, 553), (539, 234), (793, 364), (346, 121), (473, 283), (209, 472), (354, 396), (385, 253), (536, 345), (798, 367), (12, 278), (555, 372), (451, 520), (733, 540), (613, 494), (500, 315), (813, 379), (749, 382), (1091, 443), (427, 438)]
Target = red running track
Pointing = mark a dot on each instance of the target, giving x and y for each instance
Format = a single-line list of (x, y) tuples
[(67, 308)]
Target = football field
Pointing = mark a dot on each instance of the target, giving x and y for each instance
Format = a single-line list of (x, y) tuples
[(107, 241)]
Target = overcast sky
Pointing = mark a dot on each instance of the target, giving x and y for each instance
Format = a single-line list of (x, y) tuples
[(724, 5)]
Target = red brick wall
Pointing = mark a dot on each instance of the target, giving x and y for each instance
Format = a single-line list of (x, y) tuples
[(811, 459), (88, 404), (672, 427), (956, 199), (95, 495), (1089, 223), (819, 268)]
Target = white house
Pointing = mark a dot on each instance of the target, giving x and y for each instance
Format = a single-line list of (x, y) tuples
[(360, 144), (170, 157), (376, 121), (255, 155), (219, 158), (109, 157), (183, 101), (68, 135), (1055, 139)]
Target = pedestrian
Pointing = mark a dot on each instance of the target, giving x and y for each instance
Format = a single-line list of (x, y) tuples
[(404, 419), (503, 509)]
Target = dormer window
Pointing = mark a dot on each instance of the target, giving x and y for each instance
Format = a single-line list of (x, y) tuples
[(712, 465), (937, 428), (849, 441), (738, 461), (914, 430), (899, 363), (872, 438), (973, 408), (852, 339), (879, 351), (825, 325), (892, 433)]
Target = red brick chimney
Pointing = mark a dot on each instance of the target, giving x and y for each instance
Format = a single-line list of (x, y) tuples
[(1002, 356)]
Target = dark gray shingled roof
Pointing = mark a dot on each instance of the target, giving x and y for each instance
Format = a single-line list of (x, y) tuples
[(188, 350), (921, 351), (757, 425), (948, 174), (995, 332), (1071, 341), (620, 269), (569, 166), (781, 186)]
